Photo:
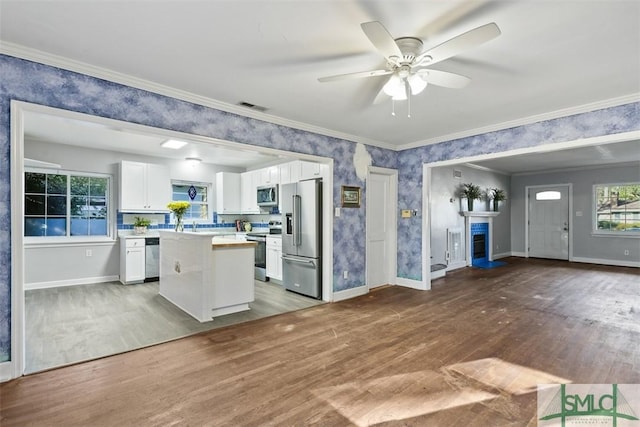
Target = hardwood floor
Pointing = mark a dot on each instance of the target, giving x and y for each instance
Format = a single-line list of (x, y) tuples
[(467, 353), (72, 324)]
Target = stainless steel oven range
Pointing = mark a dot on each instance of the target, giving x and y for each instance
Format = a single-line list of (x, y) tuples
[(275, 227), (261, 255)]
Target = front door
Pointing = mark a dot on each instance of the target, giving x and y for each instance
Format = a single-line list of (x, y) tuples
[(549, 222)]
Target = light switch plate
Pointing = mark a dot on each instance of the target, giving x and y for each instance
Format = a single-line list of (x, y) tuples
[(337, 212)]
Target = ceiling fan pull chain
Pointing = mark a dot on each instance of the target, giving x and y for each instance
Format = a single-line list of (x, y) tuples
[(408, 104)]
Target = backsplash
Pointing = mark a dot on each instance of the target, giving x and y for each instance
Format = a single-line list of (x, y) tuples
[(163, 221)]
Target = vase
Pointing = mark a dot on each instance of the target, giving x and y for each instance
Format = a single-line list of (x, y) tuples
[(470, 204), (495, 205), (179, 224)]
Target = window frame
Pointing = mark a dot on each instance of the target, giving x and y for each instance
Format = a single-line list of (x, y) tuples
[(209, 187), (594, 211), (68, 239)]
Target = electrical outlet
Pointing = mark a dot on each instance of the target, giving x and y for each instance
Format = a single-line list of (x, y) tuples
[(345, 274), (626, 251), (88, 253)]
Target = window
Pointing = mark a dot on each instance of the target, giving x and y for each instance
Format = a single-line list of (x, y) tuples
[(617, 208), (195, 193), (65, 204), (548, 195)]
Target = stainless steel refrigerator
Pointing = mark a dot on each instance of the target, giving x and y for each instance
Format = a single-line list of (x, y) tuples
[(302, 237)]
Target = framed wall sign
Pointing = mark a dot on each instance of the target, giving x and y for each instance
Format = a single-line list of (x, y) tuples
[(350, 197)]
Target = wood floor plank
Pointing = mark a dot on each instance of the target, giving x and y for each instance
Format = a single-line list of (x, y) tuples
[(382, 357)]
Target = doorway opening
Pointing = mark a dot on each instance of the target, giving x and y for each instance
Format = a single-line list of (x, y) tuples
[(21, 113)]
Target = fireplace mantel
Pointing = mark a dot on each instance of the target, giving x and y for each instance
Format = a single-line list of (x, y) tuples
[(480, 214), (478, 217)]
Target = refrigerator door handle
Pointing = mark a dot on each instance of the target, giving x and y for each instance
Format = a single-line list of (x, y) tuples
[(301, 261), (297, 203)]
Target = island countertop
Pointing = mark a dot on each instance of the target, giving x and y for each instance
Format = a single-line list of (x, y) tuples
[(217, 239)]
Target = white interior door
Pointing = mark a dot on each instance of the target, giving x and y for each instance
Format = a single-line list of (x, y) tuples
[(549, 222), (381, 250)]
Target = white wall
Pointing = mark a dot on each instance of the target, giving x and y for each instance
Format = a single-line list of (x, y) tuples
[(586, 246), (446, 213), (47, 265)]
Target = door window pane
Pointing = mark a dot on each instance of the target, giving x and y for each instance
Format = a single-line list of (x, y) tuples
[(548, 195)]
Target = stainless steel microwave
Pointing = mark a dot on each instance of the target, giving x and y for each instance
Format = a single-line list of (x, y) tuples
[(268, 195)]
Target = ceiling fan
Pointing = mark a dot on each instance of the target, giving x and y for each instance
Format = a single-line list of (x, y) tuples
[(409, 66)]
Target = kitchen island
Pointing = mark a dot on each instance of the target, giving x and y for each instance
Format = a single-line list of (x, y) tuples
[(206, 275)]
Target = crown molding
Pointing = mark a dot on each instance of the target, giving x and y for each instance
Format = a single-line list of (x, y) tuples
[(22, 52), (599, 105)]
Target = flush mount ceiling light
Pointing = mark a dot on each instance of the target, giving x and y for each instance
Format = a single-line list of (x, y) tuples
[(193, 160), (174, 144)]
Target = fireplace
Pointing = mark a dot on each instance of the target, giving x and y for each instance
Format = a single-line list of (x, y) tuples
[(479, 243), (478, 237), (479, 249)]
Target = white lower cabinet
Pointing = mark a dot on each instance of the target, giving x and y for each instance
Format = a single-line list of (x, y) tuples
[(274, 257), (132, 260)]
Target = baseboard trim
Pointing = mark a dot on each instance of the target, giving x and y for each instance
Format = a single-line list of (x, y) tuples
[(438, 274), (72, 282), (410, 283), (5, 371), (456, 266), (519, 254), (502, 255), (617, 263), (350, 293)]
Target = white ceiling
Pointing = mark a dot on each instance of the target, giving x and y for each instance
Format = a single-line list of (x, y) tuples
[(552, 55)]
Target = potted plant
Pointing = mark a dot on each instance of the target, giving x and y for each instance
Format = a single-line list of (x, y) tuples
[(140, 225), (471, 192), (179, 209), (498, 195)]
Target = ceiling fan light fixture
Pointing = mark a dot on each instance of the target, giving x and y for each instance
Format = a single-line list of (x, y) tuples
[(417, 84), (394, 87)]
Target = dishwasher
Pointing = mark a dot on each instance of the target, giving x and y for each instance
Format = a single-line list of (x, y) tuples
[(152, 259)]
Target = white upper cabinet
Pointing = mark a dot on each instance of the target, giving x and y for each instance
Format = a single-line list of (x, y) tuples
[(144, 187), (269, 176), (310, 170), (284, 170), (248, 184), (228, 193)]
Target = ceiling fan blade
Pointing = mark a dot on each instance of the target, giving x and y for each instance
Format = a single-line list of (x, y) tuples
[(458, 44), (382, 40), (443, 78), (361, 74)]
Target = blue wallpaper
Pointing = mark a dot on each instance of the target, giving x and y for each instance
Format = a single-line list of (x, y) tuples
[(607, 121), (41, 84)]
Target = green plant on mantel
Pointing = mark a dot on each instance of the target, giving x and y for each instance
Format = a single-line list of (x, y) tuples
[(498, 195), (471, 192)]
